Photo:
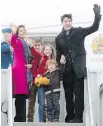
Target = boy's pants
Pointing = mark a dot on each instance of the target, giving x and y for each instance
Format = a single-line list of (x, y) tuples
[(31, 106), (41, 102), (53, 107)]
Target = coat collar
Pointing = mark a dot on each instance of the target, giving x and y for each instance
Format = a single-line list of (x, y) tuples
[(45, 57), (72, 32), (49, 71)]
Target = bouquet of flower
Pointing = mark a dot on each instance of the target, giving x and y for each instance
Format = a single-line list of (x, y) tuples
[(39, 81)]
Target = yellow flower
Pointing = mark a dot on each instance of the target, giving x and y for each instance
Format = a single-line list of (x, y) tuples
[(41, 81)]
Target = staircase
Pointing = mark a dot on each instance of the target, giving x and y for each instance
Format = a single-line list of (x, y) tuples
[(37, 123), (93, 111), (48, 124)]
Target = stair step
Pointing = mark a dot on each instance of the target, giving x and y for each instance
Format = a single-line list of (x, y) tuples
[(47, 124)]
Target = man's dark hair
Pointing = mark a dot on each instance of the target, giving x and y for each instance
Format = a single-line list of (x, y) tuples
[(69, 16)]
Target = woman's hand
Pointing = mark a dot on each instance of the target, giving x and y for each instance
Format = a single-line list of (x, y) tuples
[(29, 66), (13, 28), (63, 59)]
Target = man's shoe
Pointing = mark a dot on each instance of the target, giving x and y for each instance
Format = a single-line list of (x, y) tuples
[(56, 120), (68, 120), (76, 121), (72, 121), (79, 121)]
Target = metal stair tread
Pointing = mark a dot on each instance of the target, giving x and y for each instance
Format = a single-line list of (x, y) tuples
[(47, 124)]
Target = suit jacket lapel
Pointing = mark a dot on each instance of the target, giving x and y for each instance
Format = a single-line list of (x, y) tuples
[(71, 34)]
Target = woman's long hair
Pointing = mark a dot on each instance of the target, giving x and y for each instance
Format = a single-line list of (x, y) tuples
[(20, 26)]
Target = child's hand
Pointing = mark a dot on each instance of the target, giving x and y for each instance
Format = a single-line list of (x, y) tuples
[(63, 59), (28, 66), (38, 75)]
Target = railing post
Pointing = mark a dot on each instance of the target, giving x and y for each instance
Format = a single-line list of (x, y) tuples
[(87, 118), (92, 122), (101, 104), (92, 81), (4, 96), (99, 107), (10, 113), (95, 78)]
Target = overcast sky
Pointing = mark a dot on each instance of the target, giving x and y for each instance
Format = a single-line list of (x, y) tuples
[(38, 13), (34, 13)]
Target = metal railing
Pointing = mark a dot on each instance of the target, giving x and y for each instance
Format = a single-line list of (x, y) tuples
[(6, 96), (93, 96)]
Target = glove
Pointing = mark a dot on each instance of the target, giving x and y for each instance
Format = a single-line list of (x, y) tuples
[(96, 9)]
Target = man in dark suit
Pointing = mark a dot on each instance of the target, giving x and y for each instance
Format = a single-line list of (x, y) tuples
[(70, 43)]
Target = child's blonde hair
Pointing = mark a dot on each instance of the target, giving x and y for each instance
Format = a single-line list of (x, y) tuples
[(53, 55), (51, 61)]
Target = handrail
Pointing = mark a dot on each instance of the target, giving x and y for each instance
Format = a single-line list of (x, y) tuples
[(101, 88), (7, 88), (10, 112), (86, 104), (90, 100), (94, 90)]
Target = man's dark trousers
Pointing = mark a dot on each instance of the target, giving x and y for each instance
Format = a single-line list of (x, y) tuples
[(74, 95)]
